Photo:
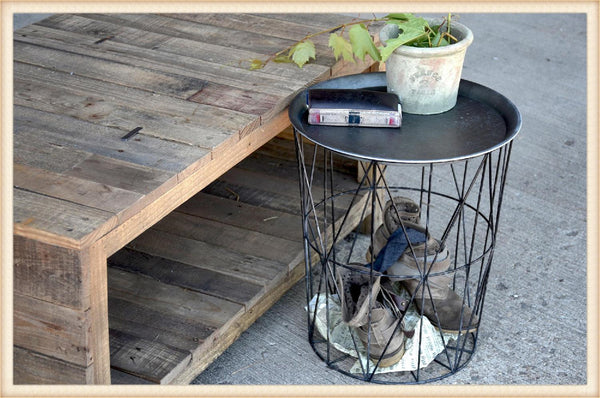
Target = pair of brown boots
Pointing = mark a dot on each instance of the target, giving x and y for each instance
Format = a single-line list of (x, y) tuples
[(422, 270)]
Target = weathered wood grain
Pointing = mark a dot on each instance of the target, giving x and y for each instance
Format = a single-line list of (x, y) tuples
[(93, 194), (121, 378), (90, 107), (96, 286), (34, 151), (123, 175), (150, 360), (261, 43), (34, 368), (51, 329), (201, 254), (85, 98), (106, 141), (293, 29), (98, 68), (237, 239), (150, 324), (184, 57), (240, 100), (50, 273), (194, 178), (151, 294), (56, 221), (240, 214), (226, 286), (218, 342), (192, 58)]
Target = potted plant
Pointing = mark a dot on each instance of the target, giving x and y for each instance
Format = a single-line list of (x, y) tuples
[(423, 57)]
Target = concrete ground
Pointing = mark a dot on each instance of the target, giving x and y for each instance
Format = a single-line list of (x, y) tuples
[(534, 327)]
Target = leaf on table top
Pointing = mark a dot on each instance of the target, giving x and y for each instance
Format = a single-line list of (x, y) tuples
[(282, 58), (256, 64), (302, 52)]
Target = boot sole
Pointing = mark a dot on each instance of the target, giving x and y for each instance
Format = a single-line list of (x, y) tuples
[(391, 360), (472, 329)]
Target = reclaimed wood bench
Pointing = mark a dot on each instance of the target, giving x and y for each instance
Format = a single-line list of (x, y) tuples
[(140, 252)]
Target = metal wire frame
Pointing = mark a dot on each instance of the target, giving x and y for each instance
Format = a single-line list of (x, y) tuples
[(470, 235)]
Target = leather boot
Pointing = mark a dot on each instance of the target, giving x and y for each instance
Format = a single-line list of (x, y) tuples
[(357, 292), (383, 328), (433, 297)]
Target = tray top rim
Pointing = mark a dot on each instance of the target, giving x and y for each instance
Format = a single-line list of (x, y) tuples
[(468, 90)]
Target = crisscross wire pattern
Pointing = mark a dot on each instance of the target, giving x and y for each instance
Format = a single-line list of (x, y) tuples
[(459, 204)]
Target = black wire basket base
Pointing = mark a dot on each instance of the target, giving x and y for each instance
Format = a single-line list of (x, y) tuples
[(432, 291)]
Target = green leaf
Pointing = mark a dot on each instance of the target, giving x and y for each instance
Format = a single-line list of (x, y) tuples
[(283, 59), (400, 16), (256, 64), (411, 32), (341, 46), (302, 52), (362, 43)]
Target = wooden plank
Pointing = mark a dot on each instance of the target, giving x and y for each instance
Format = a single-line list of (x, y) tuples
[(51, 276), (262, 43), (121, 378), (52, 330), (163, 327), (150, 360), (237, 99), (239, 214), (186, 304), (47, 272), (73, 133), (245, 267), (122, 175), (313, 21), (237, 239), (33, 368), (276, 193), (149, 183), (56, 221), (96, 287), (217, 126), (223, 338), (34, 151), (225, 286), (82, 191), (263, 24), (86, 99), (194, 59), (99, 31), (98, 68), (119, 38), (248, 195)]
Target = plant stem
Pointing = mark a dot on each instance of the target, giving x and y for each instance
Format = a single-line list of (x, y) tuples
[(342, 26)]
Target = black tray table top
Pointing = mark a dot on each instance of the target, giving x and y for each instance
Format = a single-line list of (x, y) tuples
[(481, 122)]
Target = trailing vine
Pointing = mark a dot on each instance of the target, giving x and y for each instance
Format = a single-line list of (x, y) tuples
[(412, 31)]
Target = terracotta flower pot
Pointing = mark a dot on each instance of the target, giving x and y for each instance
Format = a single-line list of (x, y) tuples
[(426, 79)]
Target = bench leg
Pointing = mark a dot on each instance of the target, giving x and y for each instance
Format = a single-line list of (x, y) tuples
[(60, 331)]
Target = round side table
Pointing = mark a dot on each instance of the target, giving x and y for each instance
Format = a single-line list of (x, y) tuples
[(396, 276)]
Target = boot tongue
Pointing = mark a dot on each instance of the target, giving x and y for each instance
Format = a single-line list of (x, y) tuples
[(396, 245)]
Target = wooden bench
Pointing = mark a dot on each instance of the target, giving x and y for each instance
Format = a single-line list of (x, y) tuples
[(140, 259)]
